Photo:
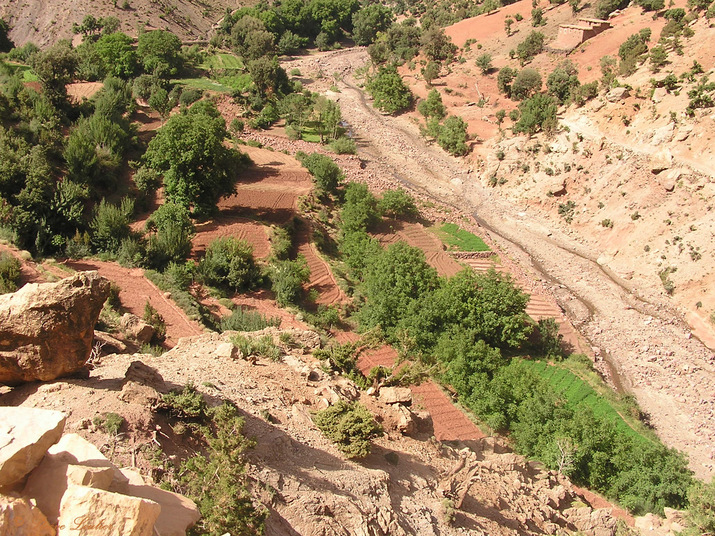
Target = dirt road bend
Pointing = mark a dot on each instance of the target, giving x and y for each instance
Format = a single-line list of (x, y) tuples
[(651, 349)]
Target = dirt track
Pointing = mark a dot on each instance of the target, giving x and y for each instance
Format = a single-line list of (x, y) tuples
[(652, 350)]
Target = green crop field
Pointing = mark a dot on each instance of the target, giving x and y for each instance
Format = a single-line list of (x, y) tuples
[(222, 61), (458, 239), (578, 392), (203, 84)]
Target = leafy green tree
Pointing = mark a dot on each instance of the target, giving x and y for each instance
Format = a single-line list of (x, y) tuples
[(432, 106), (55, 68), (326, 173), (117, 53), (287, 280), (431, 71), (328, 118), (658, 58), (369, 21), (189, 153), (397, 204), (390, 93), (504, 80), (392, 281), (530, 47), (111, 224), (537, 17), (484, 62), (159, 53), (437, 45), (608, 66), (358, 249), (251, 39), (359, 212), (563, 81), (538, 114), (5, 43), (453, 136), (349, 425), (701, 510), (268, 76), (171, 230), (229, 263), (526, 83)]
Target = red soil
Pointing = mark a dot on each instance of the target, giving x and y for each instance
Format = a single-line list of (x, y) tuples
[(83, 90), (29, 273), (321, 277), (262, 301), (136, 290), (486, 26), (224, 225)]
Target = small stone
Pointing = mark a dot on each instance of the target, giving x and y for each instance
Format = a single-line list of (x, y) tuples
[(396, 395), (19, 517)]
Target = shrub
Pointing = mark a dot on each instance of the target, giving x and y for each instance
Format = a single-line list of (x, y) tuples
[(257, 347), (111, 224), (537, 113), (171, 232), (287, 279), (389, 92), (343, 146), (563, 81), (397, 204), (343, 358), (526, 83), (10, 272), (186, 404), (453, 136), (229, 263), (326, 317), (350, 426), (281, 241), (242, 319), (432, 106), (155, 320), (110, 423), (189, 96), (701, 510), (504, 80), (326, 173), (217, 482), (530, 47), (484, 62)]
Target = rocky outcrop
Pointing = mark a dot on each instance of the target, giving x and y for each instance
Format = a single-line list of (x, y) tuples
[(25, 436), (47, 329), (19, 517), (136, 328)]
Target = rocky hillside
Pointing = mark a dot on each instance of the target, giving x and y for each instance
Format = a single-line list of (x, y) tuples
[(44, 22)]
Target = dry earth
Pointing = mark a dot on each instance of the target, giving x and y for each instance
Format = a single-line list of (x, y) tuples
[(649, 347)]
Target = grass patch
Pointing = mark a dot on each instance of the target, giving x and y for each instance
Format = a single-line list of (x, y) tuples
[(458, 239), (580, 385), (236, 82), (222, 61), (203, 84)]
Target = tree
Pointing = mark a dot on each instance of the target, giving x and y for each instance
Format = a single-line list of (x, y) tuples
[(504, 80), (437, 45), (530, 47), (229, 263), (111, 224), (389, 92), (55, 68), (251, 39), (118, 54), (484, 62), (397, 204), (658, 58), (158, 51), (5, 43), (359, 212), (432, 106), (329, 118), (526, 83), (538, 114), (287, 280), (453, 136), (188, 152), (537, 17), (563, 81), (171, 232), (326, 173), (396, 277), (369, 21), (608, 70), (268, 76), (431, 71)]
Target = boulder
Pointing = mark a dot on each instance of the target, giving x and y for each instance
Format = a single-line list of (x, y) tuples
[(226, 350), (108, 344), (136, 328), (47, 329), (19, 517), (396, 395), (94, 512), (617, 93), (142, 384), (25, 436), (406, 420), (177, 512), (59, 470)]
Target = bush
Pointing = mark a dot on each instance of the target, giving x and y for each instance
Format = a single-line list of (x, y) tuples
[(504, 80), (10, 272), (453, 136), (359, 212), (563, 82), (189, 96), (155, 320), (111, 225), (229, 263), (484, 62), (171, 232), (242, 319), (281, 242), (537, 113), (389, 92), (257, 347), (432, 106), (326, 173), (397, 204), (343, 358), (110, 423), (526, 83), (186, 404), (701, 510), (287, 279), (350, 426), (343, 146), (530, 47)]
